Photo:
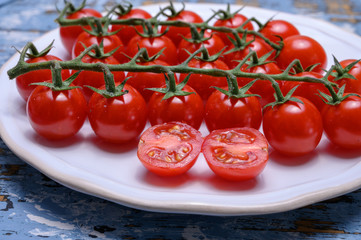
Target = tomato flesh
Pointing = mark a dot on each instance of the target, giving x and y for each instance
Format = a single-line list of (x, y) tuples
[(236, 154), (169, 149)]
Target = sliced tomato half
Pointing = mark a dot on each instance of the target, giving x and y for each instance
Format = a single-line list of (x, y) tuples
[(236, 154), (169, 149)]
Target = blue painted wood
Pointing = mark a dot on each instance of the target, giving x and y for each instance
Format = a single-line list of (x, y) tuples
[(34, 207)]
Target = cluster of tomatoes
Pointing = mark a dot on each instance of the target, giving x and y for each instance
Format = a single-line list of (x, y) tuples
[(176, 110)]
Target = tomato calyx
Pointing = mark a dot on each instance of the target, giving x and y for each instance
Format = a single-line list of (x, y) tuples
[(122, 9), (234, 91), (238, 43), (99, 51), (172, 89), (98, 28), (173, 11), (340, 72), (34, 52), (57, 83), (70, 8), (197, 37), (338, 97), (254, 60), (227, 14)]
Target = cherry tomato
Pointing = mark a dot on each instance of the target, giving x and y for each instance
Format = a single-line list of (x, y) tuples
[(306, 89), (96, 79), (188, 109), (304, 48), (258, 46), (109, 42), (352, 85), (293, 128), (127, 32), (236, 154), (342, 123), (213, 45), (23, 81), (222, 112), (169, 149), (176, 33), (153, 46), (56, 115), (201, 83), (236, 21), (280, 28), (262, 87), (143, 80), (69, 34), (118, 119)]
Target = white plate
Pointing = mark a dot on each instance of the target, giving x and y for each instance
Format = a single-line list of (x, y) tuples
[(114, 173)]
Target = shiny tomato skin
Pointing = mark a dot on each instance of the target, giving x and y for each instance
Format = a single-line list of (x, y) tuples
[(169, 149), (293, 128), (278, 27), (258, 45), (23, 81), (214, 45), (203, 84), (96, 79), (304, 48), (153, 46), (236, 21), (56, 115), (342, 123), (307, 89), (352, 85), (222, 112), (143, 80), (69, 34), (118, 119), (176, 33), (236, 154), (187, 109), (109, 42), (261, 87), (126, 32)]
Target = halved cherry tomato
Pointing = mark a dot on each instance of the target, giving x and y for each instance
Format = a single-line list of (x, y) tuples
[(169, 149), (236, 154), (56, 115)]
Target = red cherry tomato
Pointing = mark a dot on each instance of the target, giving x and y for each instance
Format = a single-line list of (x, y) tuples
[(304, 48), (56, 115), (96, 79), (23, 81), (306, 89), (352, 85), (201, 83), (280, 28), (169, 149), (293, 128), (188, 109), (262, 88), (258, 46), (153, 46), (109, 42), (213, 45), (118, 119), (176, 33), (222, 112), (342, 123), (126, 32), (69, 34), (236, 21), (143, 80), (236, 154)]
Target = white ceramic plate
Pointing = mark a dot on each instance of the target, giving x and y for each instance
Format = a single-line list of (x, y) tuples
[(114, 172)]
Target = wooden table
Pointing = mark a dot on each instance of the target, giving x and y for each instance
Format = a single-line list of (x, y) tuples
[(33, 206)]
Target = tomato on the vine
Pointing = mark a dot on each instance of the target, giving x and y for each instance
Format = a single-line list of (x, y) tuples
[(353, 85), (169, 149), (69, 34), (276, 28), (342, 123), (118, 119), (236, 154), (305, 49), (56, 115), (23, 81), (293, 128)]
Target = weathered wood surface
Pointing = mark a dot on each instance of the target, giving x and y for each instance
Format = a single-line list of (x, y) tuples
[(33, 206)]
